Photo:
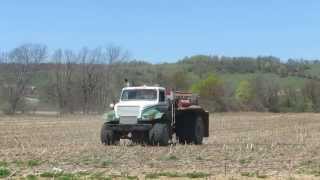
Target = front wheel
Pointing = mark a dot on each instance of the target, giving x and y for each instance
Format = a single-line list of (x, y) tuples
[(107, 136), (159, 134)]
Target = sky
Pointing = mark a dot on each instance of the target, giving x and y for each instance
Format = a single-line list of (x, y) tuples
[(167, 30)]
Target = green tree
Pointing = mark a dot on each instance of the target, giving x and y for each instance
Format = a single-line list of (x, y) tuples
[(211, 86), (179, 81), (211, 92), (311, 92), (244, 92)]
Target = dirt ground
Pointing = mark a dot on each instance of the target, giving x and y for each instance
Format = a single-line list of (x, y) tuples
[(240, 146)]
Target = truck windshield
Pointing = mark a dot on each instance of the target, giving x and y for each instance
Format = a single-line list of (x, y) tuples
[(139, 94)]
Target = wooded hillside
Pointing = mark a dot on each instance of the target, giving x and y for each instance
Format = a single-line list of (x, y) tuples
[(86, 81)]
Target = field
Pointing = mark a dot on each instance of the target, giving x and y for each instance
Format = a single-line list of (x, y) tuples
[(240, 146)]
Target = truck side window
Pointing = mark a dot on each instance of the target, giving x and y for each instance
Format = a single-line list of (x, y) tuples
[(161, 96)]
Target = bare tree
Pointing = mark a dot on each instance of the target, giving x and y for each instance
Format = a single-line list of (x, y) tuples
[(85, 81), (97, 76), (22, 65), (3, 61), (1, 57), (90, 78), (2, 71), (112, 80), (311, 92), (62, 89)]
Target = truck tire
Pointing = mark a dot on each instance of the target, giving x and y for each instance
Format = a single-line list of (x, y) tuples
[(107, 136), (192, 132), (159, 135), (184, 133), (198, 131)]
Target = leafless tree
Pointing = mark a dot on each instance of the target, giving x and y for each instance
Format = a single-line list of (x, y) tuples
[(98, 67), (3, 61), (90, 77), (63, 86), (112, 80), (22, 65), (2, 70), (1, 57), (85, 81)]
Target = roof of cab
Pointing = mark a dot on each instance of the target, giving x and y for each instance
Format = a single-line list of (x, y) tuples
[(143, 87)]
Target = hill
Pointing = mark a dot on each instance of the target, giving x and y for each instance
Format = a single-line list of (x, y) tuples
[(88, 80)]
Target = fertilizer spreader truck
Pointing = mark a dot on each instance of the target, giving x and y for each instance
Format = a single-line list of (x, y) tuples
[(152, 115)]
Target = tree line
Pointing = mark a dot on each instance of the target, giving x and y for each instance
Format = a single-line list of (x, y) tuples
[(88, 80), (70, 81)]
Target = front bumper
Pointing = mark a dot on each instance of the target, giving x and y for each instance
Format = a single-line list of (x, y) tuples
[(130, 127)]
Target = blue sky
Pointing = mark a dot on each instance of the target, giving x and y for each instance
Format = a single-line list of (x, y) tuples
[(167, 30)]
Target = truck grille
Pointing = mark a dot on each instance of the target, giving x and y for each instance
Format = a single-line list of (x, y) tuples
[(128, 120), (128, 114)]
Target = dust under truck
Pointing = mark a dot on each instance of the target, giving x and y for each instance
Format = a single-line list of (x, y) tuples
[(152, 115)]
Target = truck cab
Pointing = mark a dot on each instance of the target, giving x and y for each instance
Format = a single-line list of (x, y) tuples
[(135, 101)]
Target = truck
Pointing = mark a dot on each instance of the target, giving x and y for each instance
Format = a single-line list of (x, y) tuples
[(154, 115)]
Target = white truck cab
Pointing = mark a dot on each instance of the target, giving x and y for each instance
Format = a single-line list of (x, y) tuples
[(134, 100)]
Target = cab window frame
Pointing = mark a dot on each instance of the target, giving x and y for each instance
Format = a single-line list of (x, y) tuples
[(162, 96)]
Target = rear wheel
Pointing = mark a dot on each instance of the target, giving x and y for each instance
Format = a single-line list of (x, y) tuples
[(198, 131), (107, 136), (191, 132), (159, 134)]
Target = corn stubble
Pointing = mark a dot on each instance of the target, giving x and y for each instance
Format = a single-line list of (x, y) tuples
[(241, 145)]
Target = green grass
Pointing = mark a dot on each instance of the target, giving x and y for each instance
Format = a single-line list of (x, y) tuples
[(106, 163), (4, 172), (18, 163), (197, 175), (292, 81), (309, 167), (254, 174), (33, 162), (83, 173), (91, 160), (31, 177), (75, 176), (61, 175), (29, 163), (291, 178), (314, 70), (245, 161), (169, 158), (152, 176), (100, 176), (233, 79), (172, 157), (262, 176), (131, 177), (176, 174), (248, 174), (67, 176), (47, 174), (170, 174), (3, 164)]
